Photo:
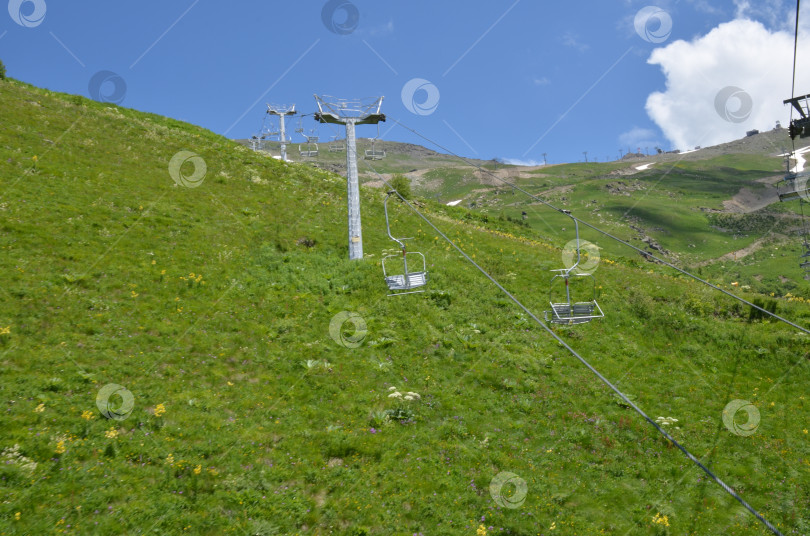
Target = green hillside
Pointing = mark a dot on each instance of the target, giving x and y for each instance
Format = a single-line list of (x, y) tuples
[(212, 305), (718, 216)]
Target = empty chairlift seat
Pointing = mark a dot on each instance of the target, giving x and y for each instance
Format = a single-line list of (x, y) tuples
[(567, 305), (403, 279), (794, 186)]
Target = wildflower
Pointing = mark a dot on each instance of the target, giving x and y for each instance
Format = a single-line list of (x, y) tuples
[(198, 470), (415, 395), (112, 433), (553, 525), (395, 395), (154, 262), (134, 294), (5, 331), (39, 409), (482, 531), (408, 398), (60, 448), (392, 388), (160, 409), (170, 459), (88, 415), (17, 516), (661, 520)]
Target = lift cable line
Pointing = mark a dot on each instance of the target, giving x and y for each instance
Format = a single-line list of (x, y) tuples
[(607, 234), (582, 360)]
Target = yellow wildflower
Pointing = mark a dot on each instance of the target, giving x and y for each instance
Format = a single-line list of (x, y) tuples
[(39, 409), (112, 433), (661, 520), (160, 409), (198, 470), (17, 516), (5, 331), (88, 415), (482, 531), (60, 448), (170, 459)]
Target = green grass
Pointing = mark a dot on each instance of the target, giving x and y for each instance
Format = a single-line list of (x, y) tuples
[(215, 302), (674, 203)]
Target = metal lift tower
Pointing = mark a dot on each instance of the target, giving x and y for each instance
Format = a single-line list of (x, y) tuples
[(351, 113), (281, 112)]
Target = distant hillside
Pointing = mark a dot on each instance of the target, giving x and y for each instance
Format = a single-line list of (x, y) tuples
[(185, 348), (713, 209)]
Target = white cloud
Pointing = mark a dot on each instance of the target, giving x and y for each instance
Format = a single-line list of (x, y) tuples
[(381, 30), (572, 40), (742, 54), (639, 137), (773, 12), (541, 81), (519, 162)]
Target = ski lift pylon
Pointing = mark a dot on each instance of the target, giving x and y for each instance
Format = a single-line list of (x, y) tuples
[(571, 312), (407, 281)]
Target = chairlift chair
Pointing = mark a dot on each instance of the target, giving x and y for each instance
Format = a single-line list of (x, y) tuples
[(310, 152), (336, 145), (800, 127), (408, 280), (793, 186), (374, 153), (572, 312), (312, 146)]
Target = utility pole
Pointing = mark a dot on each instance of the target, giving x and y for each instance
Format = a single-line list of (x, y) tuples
[(544, 159), (586, 156), (351, 113), (281, 112), (620, 154)]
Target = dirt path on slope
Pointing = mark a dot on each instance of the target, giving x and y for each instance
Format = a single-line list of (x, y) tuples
[(747, 200)]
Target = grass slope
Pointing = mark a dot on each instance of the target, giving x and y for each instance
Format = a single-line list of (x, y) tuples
[(212, 306), (678, 205)]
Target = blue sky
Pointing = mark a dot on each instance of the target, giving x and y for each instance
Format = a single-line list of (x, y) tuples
[(510, 79)]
